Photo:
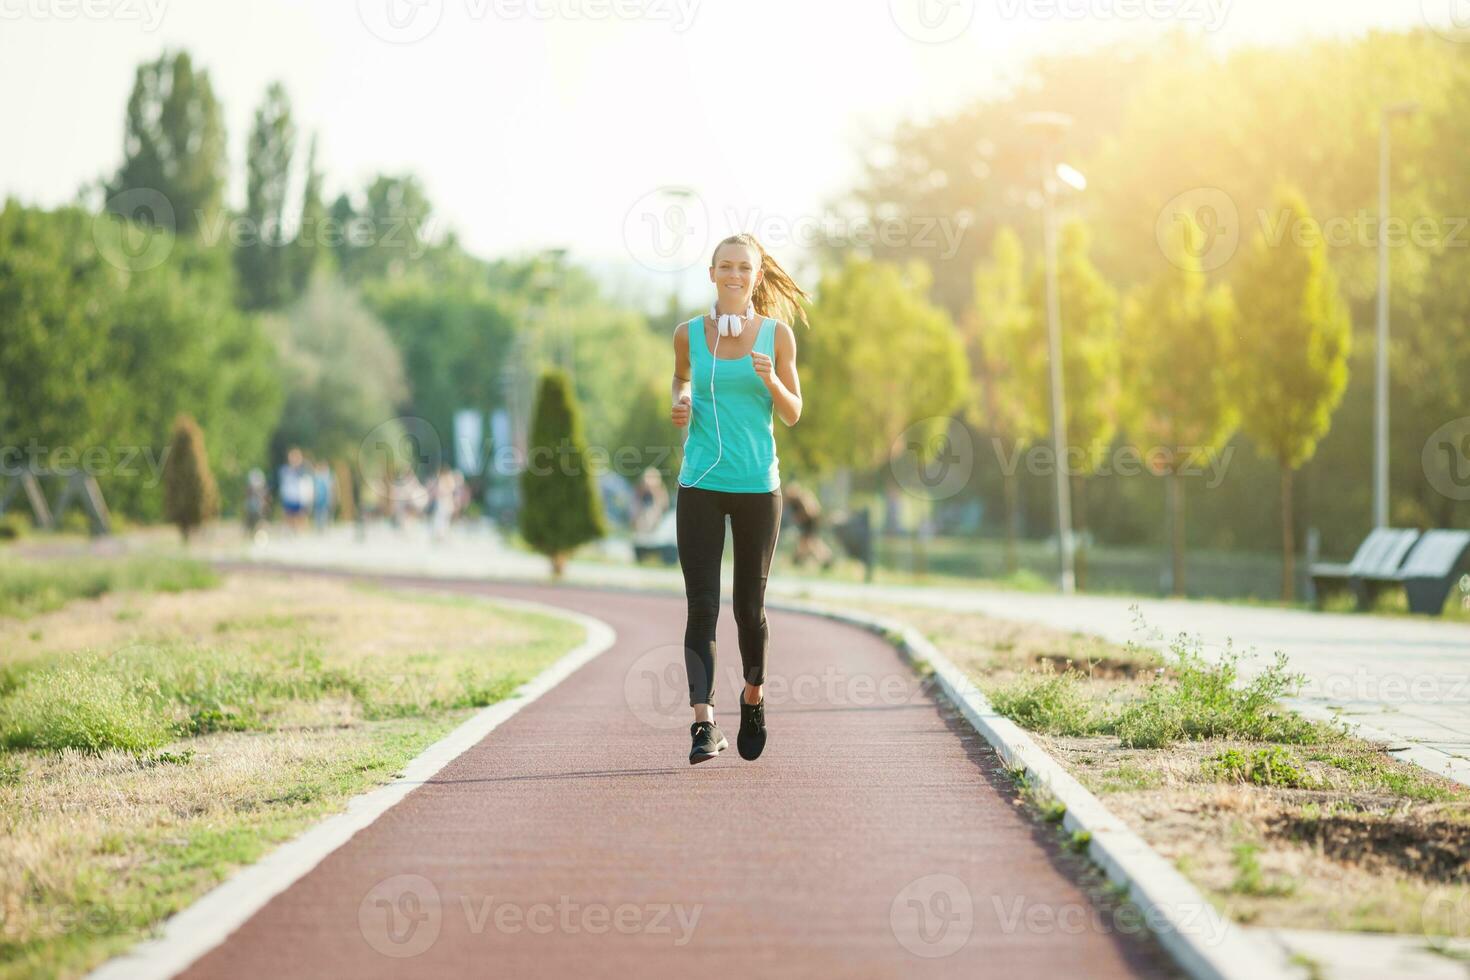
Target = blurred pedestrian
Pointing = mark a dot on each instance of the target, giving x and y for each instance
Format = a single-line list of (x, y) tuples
[(323, 493), (650, 501), (806, 513), (293, 489), (257, 504)]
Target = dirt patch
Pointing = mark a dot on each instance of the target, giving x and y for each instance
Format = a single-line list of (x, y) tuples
[(1430, 848)]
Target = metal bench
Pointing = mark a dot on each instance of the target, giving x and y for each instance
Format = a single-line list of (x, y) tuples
[(1376, 563), (1430, 571)]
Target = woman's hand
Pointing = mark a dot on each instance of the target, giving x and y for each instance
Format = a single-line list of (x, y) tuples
[(764, 368), (679, 415)]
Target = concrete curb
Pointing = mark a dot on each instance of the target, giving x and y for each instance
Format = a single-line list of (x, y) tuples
[(203, 925), (1204, 943)]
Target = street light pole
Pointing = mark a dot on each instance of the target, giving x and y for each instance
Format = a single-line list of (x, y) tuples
[(1065, 545), (1380, 381), (1052, 124)]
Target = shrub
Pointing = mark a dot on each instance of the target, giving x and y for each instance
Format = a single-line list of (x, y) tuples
[(1203, 700), (190, 496), (1269, 766), (1054, 704)]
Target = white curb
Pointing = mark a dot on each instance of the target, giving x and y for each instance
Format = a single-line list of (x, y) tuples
[(1204, 943), (195, 930)]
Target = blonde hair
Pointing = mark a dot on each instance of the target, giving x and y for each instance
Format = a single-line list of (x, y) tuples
[(777, 294)]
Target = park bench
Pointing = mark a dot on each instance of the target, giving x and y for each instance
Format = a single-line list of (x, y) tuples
[(1432, 568), (1426, 565), (1376, 563)]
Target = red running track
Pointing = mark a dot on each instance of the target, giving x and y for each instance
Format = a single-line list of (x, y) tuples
[(878, 836)]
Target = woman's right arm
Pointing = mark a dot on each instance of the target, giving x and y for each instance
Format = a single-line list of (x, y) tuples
[(679, 391)]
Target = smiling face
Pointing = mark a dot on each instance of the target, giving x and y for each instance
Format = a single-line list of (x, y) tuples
[(736, 273)]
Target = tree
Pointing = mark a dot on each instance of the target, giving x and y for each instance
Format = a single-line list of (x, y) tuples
[(562, 507), (1295, 335), (263, 259), (174, 145), (1006, 357), (388, 235), (55, 298), (309, 248), (1178, 340), (189, 494), (98, 361), (881, 361), (342, 374)]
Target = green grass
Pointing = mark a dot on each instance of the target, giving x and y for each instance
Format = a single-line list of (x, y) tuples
[(31, 587), (146, 695), (1205, 700), (1249, 878), (1198, 699), (1269, 766), (1050, 703), (1368, 772)]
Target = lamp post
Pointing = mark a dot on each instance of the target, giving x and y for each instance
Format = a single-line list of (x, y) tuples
[(1052, 125), (1380, 386)]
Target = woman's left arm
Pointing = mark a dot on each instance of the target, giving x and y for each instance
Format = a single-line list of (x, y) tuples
[(781, 380)]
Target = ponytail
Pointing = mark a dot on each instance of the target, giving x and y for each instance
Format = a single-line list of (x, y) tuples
[(777, 295)]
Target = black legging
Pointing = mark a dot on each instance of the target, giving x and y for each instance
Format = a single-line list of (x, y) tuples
[(755, 522)]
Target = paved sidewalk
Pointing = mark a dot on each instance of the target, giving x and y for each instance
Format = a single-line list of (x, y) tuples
[(877, 837), (1404, 681)]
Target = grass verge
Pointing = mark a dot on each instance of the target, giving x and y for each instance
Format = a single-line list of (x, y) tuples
[(152, 743), (1279, 820)]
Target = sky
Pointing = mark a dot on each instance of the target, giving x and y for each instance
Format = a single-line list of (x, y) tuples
[(565, 123)]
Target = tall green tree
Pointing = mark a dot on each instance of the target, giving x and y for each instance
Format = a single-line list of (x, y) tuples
[(879, 361), (1295, 335), (1177, 344), (561, 506), (313, 230), (174, 145), (1006, 358), (263, 259)]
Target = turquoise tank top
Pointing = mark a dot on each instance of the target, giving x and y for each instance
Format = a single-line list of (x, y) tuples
[(741, 456)]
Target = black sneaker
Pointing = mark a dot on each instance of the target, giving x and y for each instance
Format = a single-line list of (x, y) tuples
[(709, 741), (752, 738)]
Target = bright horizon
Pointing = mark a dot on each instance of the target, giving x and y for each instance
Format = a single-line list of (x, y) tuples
[(533, 132)]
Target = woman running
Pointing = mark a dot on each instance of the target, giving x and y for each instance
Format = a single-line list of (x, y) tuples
[(730, 469)]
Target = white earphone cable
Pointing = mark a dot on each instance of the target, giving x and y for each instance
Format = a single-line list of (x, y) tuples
[(714, 409)]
